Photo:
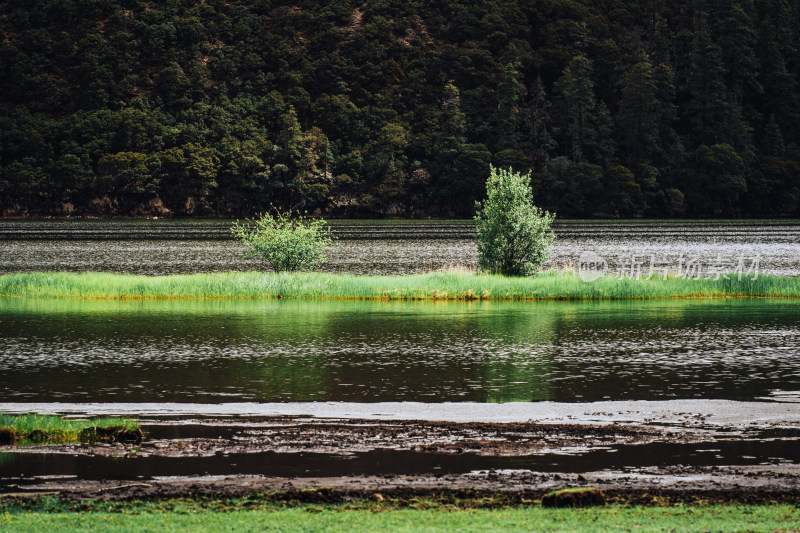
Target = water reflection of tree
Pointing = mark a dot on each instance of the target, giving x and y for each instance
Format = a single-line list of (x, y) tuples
[(371, 351), (521, 373)]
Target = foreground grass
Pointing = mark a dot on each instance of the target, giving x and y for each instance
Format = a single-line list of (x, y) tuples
[(191, 517), (55, 428), (551, 285)]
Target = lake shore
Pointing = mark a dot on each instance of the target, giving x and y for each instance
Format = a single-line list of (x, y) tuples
[(337, 483), (437, 286), (720, 484)]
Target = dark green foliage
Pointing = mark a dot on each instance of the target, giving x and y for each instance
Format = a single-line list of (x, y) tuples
[(683, 108)]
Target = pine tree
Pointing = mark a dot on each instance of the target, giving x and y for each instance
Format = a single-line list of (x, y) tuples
[(601, 147), (773, 138), (707, 103), (509, 98), (737, 39), (638, 116), (669, 151), (450, 120), (575, 91), (540, 141), (780, 84), (448, 137)]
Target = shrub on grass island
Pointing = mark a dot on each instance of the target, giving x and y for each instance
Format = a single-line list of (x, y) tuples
[(513, 235), (285, 242)]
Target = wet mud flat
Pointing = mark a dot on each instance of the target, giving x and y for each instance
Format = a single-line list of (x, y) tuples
[(645, 486), (356, 458), (205, 438)]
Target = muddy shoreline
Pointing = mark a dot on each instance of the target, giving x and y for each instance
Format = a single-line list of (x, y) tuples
[(649, 486), (345, 437), (325, 442)]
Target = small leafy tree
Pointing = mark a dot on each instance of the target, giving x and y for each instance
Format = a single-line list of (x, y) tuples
[(513, 235), (285, 242)]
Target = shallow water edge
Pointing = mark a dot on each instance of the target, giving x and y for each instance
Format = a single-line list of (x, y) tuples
[(669, 412)]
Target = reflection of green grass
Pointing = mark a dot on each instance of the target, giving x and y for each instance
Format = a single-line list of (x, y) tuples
[(56, 428), (228, 516), (6, 457), (551, 285)]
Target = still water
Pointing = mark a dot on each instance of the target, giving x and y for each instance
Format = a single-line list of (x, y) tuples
[(279, 351), (27, 467), (390, 246)]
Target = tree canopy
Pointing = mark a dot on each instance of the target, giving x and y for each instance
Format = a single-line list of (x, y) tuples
[(223, 108)]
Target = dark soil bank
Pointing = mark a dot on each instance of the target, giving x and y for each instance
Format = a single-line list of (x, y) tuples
[(359, 458), (720, 484)]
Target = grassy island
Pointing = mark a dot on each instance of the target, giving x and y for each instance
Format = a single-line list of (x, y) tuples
[(48, 429), (549, 285)]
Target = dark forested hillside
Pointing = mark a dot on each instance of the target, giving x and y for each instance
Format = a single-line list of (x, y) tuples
[(619, 108)]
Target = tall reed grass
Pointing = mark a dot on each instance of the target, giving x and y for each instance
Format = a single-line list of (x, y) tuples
[(54, 428), (549, 285)]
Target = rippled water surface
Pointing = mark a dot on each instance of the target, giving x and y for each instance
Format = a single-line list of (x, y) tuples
[(381, 247), (218, 351)]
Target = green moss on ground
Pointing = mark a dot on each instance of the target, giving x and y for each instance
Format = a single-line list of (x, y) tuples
[(574, 497)]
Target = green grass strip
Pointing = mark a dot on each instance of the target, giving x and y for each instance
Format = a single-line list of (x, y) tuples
[(550, 285), (56, 428), (757, 518)]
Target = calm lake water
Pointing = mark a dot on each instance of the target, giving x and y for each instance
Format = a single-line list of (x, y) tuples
[(277, 351), (394, 247)]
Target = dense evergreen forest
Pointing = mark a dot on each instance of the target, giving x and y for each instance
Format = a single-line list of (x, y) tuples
[(223, 107)]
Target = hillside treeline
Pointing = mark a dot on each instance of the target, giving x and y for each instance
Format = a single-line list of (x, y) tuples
[(350, 108)]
